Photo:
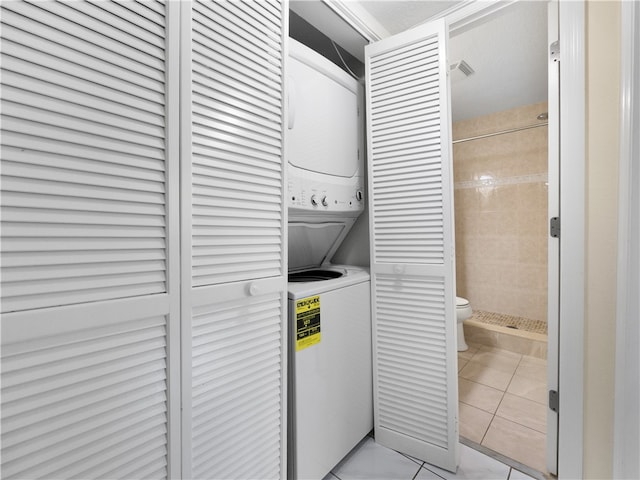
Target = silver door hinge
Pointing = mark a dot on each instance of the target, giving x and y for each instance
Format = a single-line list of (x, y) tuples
[(554, 400), (554, 227), (554, 51)]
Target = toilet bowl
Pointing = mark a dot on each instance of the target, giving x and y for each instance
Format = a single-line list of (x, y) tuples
[(463, 311)]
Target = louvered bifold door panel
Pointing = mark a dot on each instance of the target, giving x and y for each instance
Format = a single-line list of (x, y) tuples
[(90, 298), (83, 152), (413, 282), (85, 402), (237, 416), (234, 403), (237, 141)]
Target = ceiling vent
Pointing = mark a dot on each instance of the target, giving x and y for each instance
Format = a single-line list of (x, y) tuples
[(460, 70)]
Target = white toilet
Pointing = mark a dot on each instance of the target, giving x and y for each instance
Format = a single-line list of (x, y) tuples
[(463, 311)]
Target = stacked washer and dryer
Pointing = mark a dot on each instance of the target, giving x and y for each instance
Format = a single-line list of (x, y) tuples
[(330, 368)]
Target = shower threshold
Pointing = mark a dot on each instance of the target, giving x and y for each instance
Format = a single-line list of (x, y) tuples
[(516, 334)]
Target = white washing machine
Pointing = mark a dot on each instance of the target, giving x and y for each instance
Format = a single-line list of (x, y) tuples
[(330, 369)]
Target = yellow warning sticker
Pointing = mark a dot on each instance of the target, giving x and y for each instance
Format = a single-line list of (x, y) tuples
[(307, 322)]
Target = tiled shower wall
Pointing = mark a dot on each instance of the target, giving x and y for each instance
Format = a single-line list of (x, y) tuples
[(501, 213)]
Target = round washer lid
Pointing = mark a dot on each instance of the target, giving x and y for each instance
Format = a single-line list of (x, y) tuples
[(461, 302)]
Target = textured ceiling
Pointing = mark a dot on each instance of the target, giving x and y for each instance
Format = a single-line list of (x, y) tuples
[(398, 16), (508, 52)]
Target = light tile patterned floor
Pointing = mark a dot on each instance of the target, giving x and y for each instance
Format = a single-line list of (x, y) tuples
[(503, 403), (372, 461), (502, 408)]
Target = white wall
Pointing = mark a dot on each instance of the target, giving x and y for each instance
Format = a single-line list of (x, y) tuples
[(603, 113)]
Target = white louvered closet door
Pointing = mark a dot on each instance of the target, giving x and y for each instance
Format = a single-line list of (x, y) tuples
[(234, 275), (90, 295), (412, 245)]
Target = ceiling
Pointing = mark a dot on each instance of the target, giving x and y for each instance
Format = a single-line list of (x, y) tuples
[(507, 53), (507, 50), (398, 16)]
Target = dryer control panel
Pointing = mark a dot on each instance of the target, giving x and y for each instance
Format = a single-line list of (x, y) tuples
[(346, 198)]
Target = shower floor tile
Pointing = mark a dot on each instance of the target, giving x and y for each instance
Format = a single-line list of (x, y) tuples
[(509, 321)]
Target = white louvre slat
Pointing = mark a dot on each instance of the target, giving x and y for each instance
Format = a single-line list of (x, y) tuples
[(61, 41), (72, 271), (153, 5), (255, 23), (230, 130), (238, 37), (54, 149), (271, 11), (211, 155), (237, 140), (127, 15), (239, 69), (73, 133), (253, 109), (415, 357), (251, 203), (81, 63), (99, 405), (84, 174), (22, 74), (42, 259), (413, 281), (21, 199), (42, 59), (211, 108), (402, 57), (90, 27), (234, 137), (31, 100), (109, 246), (140, 8), (236, 387), (231, 121), (420, 175)]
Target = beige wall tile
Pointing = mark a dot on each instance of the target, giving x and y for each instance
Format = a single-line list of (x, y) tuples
[(503, 225)]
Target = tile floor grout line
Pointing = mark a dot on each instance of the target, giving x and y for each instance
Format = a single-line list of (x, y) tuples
[(520, 424), (504, 392), (429, 470)]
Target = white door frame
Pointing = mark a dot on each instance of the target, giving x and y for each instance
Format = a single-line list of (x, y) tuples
[(553, 259), (571, 26), (572, 240), (626, 440)]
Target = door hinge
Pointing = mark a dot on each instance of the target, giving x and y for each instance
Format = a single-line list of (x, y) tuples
[(554, 400), (554, 51), (554, 227)]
